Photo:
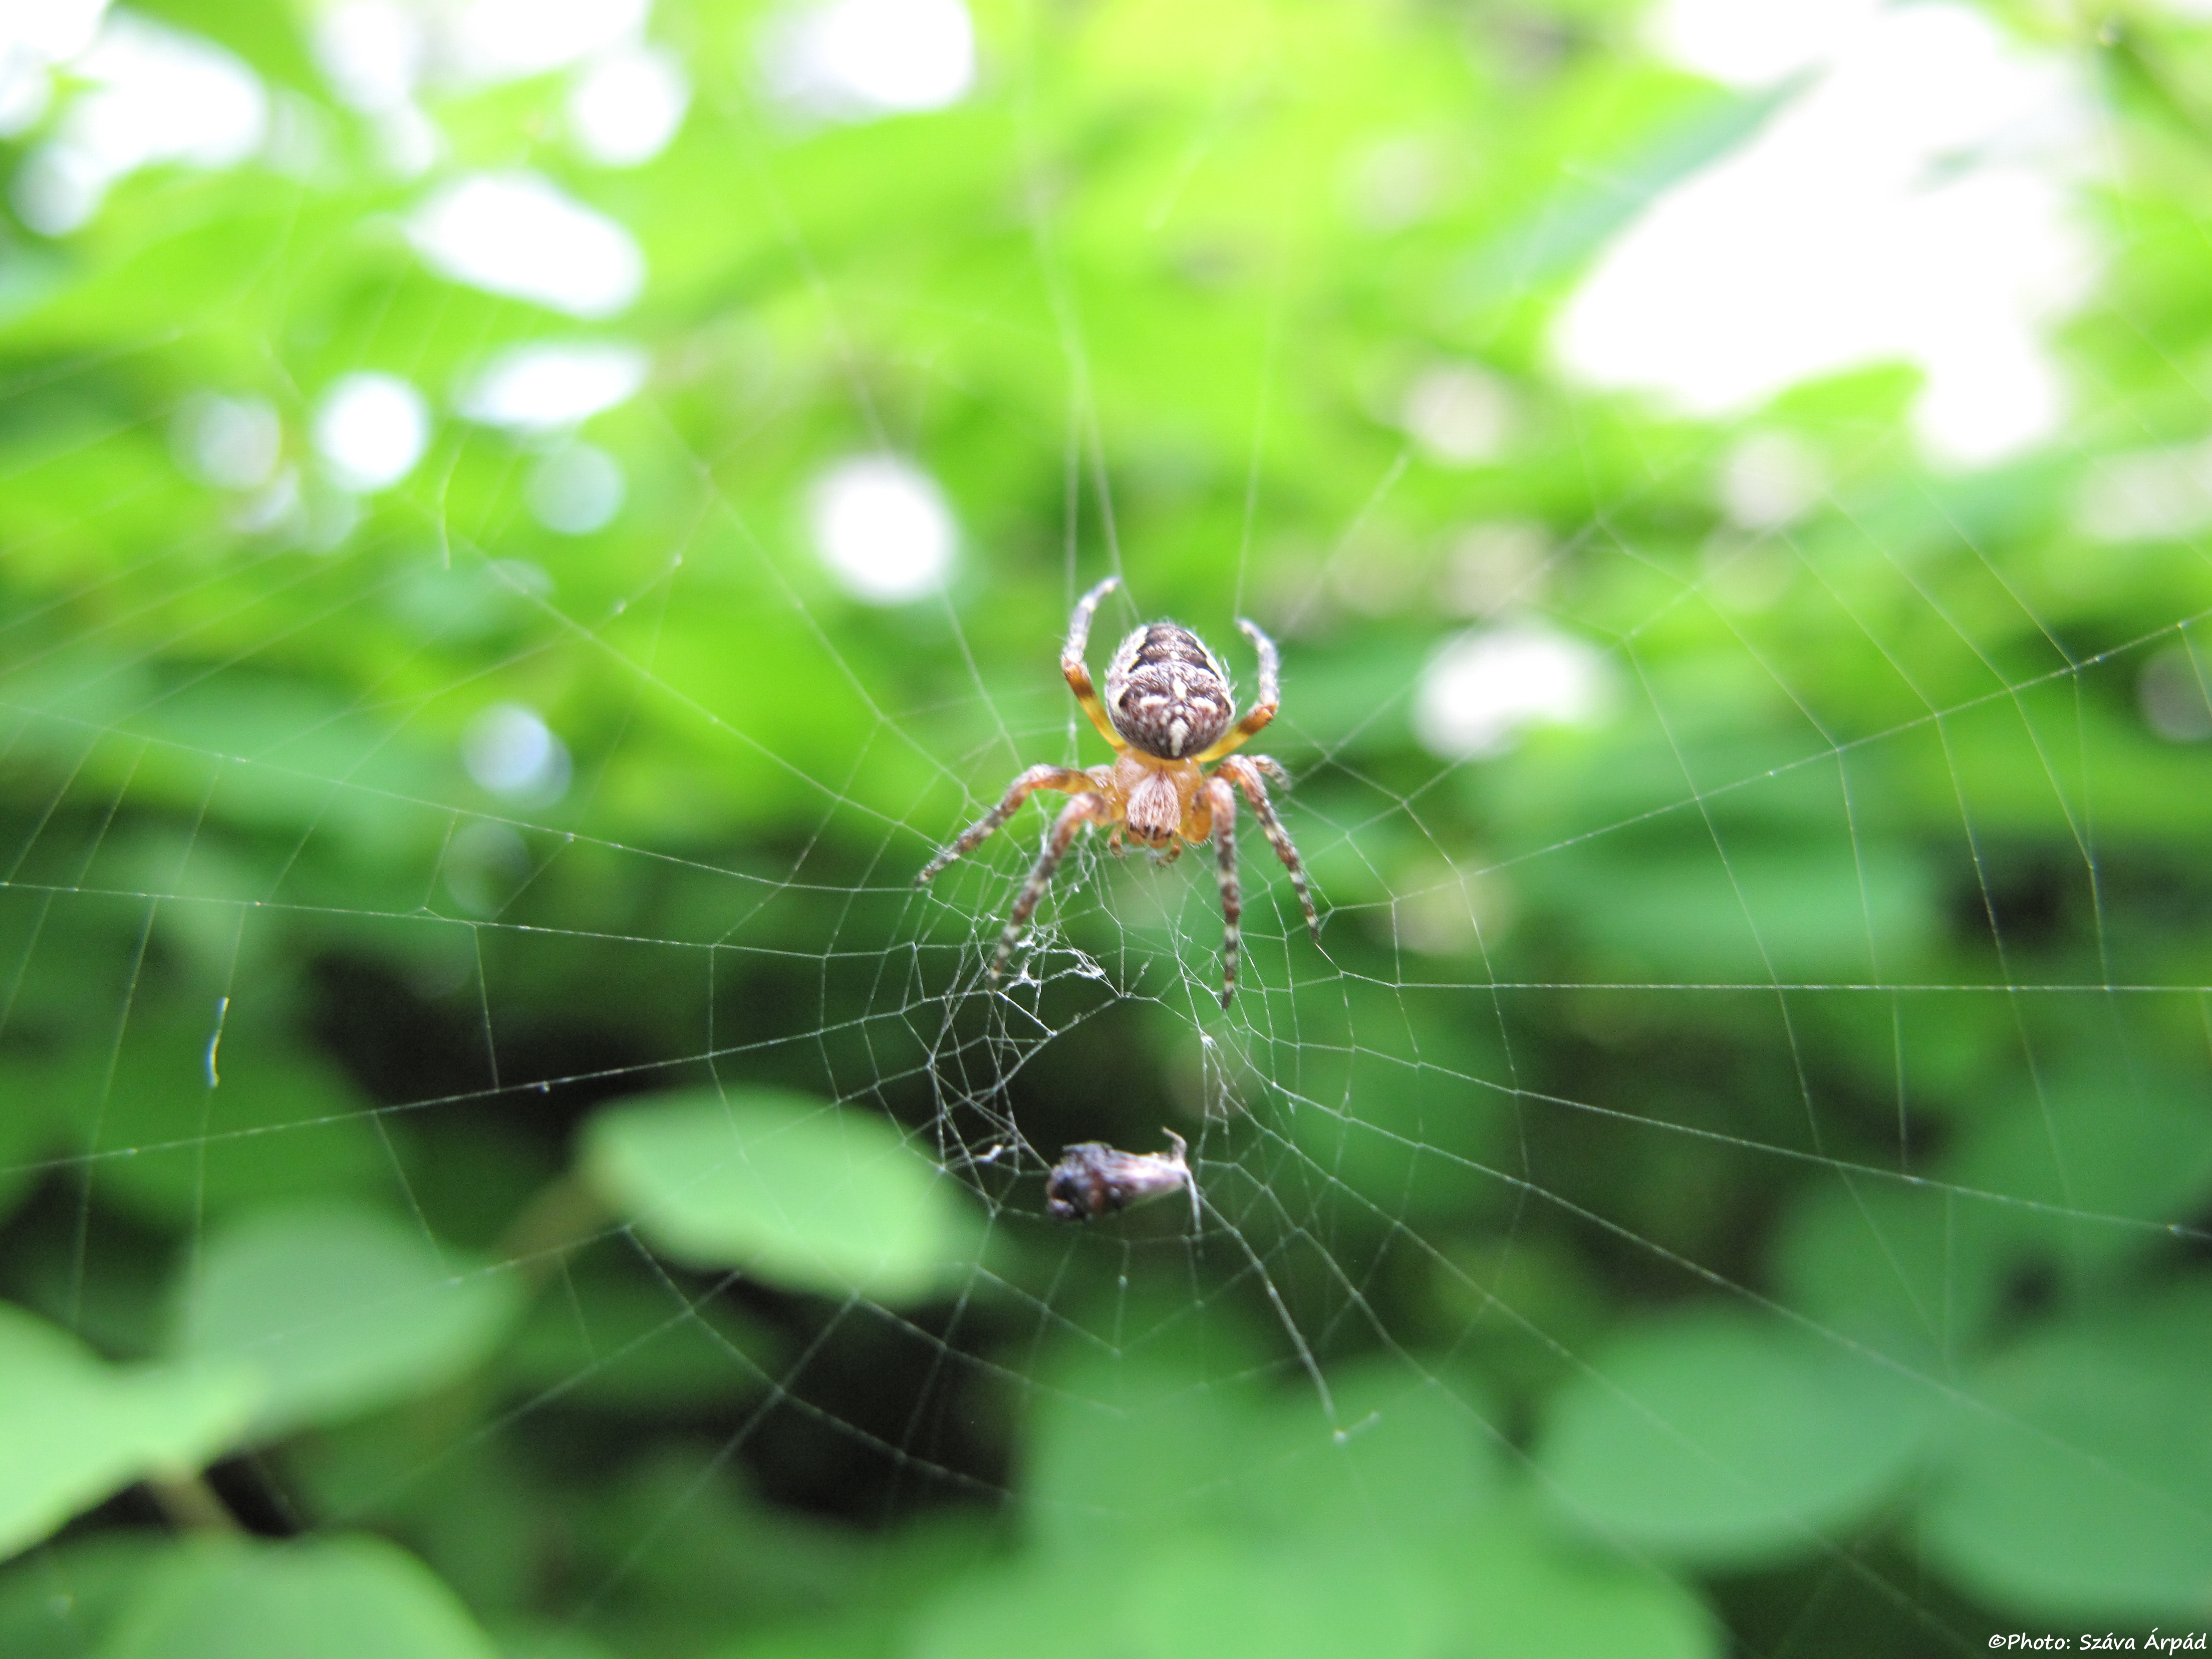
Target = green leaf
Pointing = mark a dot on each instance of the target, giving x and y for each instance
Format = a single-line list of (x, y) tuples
[(804, 1194), (1716, 1439), (57, 1602), (282, 1121), (2075, 1181), (1177, 1439), (1527, 1596), (2133, 1145), (1814, 907), (2075, 1486), (1574, 222), (28, 1126), (622, 1342), (73, 1430), (1229, 1516), (344, 1598), (1363, 1591), (1915, 1273), (340, 1309)]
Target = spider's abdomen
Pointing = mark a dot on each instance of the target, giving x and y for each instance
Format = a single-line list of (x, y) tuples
[(1166, 693)]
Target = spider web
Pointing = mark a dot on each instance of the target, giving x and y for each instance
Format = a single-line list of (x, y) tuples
[(1822, 920)]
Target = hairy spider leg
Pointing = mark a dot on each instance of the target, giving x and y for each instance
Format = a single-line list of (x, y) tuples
[(1089, 807), (1221, 802), (1066, 780), (1263, 709), (1246, 769), (1079, 671)]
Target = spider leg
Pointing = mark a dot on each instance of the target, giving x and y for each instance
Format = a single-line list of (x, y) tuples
[(1246, 769), (1079, 672), (1087, 807), (1263, 709), (1061, 778), (1221, 800)]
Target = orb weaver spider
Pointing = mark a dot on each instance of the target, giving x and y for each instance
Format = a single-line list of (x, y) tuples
[(1167, 713)]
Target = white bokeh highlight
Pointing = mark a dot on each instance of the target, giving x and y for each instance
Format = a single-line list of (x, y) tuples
[(486, 41), (883, 528), (857, 60), (624, 109), (26, 88), (51, 32), (373, 52), (1752, 43), (551, 386), (1769, 481), (1486, 685), (575, 489), (2147, 494), (1396, 183), (510, 751), (34, 39), (1917, 202), (1458, 413), (233, 443), (2175, 695), (485, 863), (376, 54), (148, 95), (371, 430), (516, 235)]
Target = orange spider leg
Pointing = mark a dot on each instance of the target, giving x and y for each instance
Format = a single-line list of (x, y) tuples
[(1065, 779), (1079, 671), (1263, 710), (1246, 771)]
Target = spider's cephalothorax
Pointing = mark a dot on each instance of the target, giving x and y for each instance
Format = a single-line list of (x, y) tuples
[(1167, 714)]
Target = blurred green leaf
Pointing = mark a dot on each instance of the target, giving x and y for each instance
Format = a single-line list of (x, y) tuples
[(2076, 1473), (353, 1597), (57, 1602), (2106, 1159), (621, 1342), (1721, 1440), (73, 1430), (1844, 911), (30, 1127), (1231, 1517), (282, 1120), (1171, 1447), (1917, 1274), (2053, 1190), (802, 1193), (1201, 1593), (340, 1309), (1492, 1584)]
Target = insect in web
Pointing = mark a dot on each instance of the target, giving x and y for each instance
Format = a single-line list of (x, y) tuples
[(1167, 713), (1093, 1179)]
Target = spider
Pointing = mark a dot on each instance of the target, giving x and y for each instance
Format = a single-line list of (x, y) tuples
[(1167, 713)]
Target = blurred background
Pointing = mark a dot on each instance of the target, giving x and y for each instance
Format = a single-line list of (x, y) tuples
[(523, 524)]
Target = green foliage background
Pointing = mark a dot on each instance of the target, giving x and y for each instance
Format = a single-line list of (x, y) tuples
[(1764, 1212)]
